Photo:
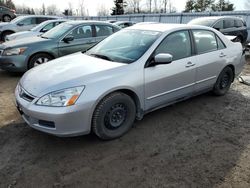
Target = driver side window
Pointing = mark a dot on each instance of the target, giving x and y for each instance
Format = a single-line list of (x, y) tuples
[(177, 44), (82, 32)]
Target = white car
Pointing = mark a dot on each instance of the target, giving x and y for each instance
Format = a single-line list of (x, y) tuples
[(36, 31), (132, 72)]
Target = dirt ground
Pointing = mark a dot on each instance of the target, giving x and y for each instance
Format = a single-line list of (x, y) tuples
[(201, 142)]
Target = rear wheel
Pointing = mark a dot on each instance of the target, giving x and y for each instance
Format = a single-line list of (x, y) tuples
[(113, 116), (39, 59), (224, 81)]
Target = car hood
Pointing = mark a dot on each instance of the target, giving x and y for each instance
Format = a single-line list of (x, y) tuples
[(69, 71), (22, 42), (4, 24), (23, 34)]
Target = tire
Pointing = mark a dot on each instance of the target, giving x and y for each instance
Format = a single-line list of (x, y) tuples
[(113, 116), (6, 18), (4, 34), (224, 81), (39, 59)]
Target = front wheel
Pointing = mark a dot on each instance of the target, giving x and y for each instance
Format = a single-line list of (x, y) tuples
[(113, 116), (39, 59), (224, 81)]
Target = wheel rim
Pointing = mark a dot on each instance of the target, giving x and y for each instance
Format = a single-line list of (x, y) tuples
[(225, 80), (6, 18), (40, 61), (115, 116)]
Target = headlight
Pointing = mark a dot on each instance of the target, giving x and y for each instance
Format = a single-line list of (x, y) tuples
[(66, 97), (14, 51)]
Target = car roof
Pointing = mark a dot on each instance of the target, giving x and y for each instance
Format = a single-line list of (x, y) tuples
[(77, 22), (39, 16), (164, 27), (119, 22), (216, 18)]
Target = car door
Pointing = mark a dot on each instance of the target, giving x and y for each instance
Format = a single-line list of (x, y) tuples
[(103, 31), (83, 39), (169, 82), (211, 58), (26, 24)]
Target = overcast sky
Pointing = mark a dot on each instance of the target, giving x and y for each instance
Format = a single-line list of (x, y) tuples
[(93, 5)]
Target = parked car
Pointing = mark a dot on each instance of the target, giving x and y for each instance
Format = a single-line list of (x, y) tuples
[(228, 25), (6, 14), (38, 30), (130, 73), (22, 23), (67, 38), (124, 24), (111, 21)]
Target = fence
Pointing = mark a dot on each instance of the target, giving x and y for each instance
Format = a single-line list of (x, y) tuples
[(172, 18)]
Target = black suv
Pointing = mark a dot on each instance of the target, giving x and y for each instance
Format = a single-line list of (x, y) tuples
[(6, 14), (228, 25)]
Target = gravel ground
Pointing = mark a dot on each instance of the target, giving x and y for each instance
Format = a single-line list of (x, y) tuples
[(201, 142)]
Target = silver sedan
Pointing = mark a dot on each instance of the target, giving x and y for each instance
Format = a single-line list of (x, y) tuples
[(130, 73)]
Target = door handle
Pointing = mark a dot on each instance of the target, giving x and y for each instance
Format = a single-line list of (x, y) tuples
[(190, 64), (222, 55)]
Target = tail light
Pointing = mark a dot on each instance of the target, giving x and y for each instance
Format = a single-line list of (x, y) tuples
[(12, 10)]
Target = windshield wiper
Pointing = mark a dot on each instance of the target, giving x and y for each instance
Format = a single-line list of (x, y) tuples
[(44, 37), (102, 56)]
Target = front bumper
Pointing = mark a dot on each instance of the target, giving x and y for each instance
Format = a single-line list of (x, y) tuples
[(16, 63), (60, 121)]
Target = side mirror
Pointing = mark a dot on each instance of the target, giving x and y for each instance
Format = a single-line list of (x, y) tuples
[(68, 38), (162, 58), (20, 24), (218, 29), (44, 30)]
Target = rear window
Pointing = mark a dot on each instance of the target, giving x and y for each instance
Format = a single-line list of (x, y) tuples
[(238, 23), (205, 41)]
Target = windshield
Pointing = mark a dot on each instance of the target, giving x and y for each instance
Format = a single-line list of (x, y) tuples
[(207, 22), (125, 46), (17, 19), (57, 31), (39, 26)]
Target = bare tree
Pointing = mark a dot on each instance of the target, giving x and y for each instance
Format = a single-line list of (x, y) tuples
[(247, 4), (134, 5), (70, 13), (103, 10), (165, 3), (81, 8), (149, 4), (43, 9), (52, 10)]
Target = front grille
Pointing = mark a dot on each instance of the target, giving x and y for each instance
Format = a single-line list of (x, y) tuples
[(25, 95)]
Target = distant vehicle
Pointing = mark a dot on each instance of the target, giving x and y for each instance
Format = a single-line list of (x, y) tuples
[(143, 23), (38, 30), (129, 74), (124, 24), (22, 23), (6, 14), (228, 25), (111, 21), (67, 38)]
